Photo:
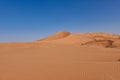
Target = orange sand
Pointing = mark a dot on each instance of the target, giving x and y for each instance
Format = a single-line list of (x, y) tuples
[(60, 59)]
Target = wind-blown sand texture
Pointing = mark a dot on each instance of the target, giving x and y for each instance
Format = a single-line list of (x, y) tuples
[(62, 56)]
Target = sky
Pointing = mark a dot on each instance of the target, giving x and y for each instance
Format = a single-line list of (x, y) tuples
[(29, 20)]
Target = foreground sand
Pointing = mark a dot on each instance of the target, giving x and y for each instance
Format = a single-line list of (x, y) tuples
[(47, 61)]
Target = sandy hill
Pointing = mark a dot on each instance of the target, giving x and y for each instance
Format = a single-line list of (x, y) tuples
[(62, 56), (88, 39)]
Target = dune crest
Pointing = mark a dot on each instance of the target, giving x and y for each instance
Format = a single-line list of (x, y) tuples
[(58, 35)]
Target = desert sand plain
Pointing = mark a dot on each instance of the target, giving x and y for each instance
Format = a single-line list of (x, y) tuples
[(62, 56)]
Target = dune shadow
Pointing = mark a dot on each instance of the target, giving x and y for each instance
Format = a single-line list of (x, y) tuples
[(118, 60)]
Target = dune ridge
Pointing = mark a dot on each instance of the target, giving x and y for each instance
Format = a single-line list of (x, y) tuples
[(58, 35)]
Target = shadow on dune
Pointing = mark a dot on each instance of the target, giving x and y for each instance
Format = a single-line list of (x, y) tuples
[(104, 43), (119, 60)]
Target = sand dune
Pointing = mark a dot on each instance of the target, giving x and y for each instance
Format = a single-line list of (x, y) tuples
[(94, 39), (70, 56)]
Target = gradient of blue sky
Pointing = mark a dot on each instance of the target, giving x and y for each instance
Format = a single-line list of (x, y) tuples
[(28, 20)]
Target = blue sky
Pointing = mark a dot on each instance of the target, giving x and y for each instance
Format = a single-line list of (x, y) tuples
[(28, 20)]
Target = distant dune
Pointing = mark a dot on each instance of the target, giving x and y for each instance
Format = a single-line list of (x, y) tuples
[(89, 39), (62, 56)]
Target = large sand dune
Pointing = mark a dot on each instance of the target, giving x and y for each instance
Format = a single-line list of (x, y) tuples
[(94, 39), (70, 56)]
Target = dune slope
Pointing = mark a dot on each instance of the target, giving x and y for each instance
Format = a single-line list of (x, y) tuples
[(47, 61)]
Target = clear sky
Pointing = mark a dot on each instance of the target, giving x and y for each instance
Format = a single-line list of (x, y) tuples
[(28, 20)]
